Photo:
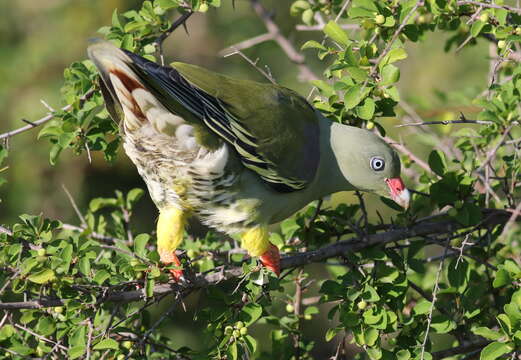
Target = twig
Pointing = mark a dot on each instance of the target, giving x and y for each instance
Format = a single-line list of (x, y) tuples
[(511, 221), (395, 35), (493, 152), (23, 328), (75, 207), (43, 120), (319, 27), (434, 298), (283, 42), (94, 235), (161, 38), (401, 148), (490, 6), (246, 44), (447, 122), (254, 64), (461, 349), (5, 231)]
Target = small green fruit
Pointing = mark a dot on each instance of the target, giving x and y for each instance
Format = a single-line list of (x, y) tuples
[(58, 309), (290, 308), (501, 44), (228, 330), (518, 30), (307, 317), (127, 344), (203, 8), (458, 204), (453, 212), (41, 252), (236, 333), (243, 331), (422, 19), (191, 253), (369, 125), (379, 19), (484, 17), (239, 325), (361, 305)]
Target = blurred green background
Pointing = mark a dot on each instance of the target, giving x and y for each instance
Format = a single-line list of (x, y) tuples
[(38, 39)]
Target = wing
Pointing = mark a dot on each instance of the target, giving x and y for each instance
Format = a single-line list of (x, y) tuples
[(273, 129)]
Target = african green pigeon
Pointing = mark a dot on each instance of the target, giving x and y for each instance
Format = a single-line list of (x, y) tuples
[(238, 154)]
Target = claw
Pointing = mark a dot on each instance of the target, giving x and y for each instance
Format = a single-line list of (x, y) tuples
[(271, 259), (171, 258)]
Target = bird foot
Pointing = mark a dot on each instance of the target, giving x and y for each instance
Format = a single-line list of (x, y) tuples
[(168, 258), (271, 259)]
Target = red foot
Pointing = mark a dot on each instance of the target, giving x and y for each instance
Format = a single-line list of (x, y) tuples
[(171, 258), (271, 259)]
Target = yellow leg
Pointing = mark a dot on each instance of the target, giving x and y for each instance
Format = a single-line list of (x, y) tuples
[(170, 232), (256, 242)]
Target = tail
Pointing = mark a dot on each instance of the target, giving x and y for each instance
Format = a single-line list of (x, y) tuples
[(128, 85)]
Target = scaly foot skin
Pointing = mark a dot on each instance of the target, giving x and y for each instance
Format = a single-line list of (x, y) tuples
[(171, 258), (271, 259)]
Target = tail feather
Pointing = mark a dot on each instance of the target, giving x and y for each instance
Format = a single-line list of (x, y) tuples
[(123, 87)]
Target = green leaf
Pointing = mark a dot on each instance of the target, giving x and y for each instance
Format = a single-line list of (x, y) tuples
[(76, 351), (487, 333), (458, 276), (115, 20), (390, 75), (366, 110), (149, 287), (403, 355), (477, 27), (133, 197), (370, 336), (106, 344), (101, 276), (250, 313), (100, 203), (354, 95), (422, 307), (231, 352), (335, 32), (495, 350), (251, 343), (442, 324), (505, 323), (312, 44), (45, 326), (140, 243), (84, 265), (331, 333), (374, 353), (393, 56), (437, 162), (502, 278), (42, 276), (358, 74)]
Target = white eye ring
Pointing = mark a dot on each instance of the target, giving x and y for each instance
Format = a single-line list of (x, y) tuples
[(377, 163)]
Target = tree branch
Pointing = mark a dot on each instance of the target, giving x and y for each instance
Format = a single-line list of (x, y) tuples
[(491, 217), (283, 42), (43, 120)]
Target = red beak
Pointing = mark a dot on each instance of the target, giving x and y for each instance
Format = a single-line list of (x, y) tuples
[(399, 193)]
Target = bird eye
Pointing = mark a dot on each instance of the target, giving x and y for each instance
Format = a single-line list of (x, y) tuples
[(377, 163)]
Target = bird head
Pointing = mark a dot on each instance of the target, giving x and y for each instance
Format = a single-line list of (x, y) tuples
[(368, 163)]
